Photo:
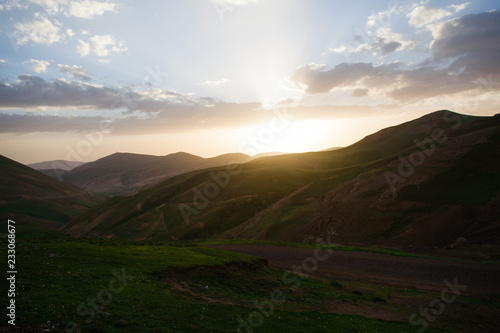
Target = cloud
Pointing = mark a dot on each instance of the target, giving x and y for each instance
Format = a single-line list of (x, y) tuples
[(40, 30), (315, 79), (176, 118), (39, 66), (88, 8), (360, 92), (77, 72), (423, 15), (9, 5), (458, 8), (474, 34), (463, 55), (83, 48), (101, 45), (32, 123), (51, 7), (32, 92), (214, 83), (384, 41)]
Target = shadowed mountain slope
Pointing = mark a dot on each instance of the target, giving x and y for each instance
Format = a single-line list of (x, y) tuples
[(427, 181), (38, 203)]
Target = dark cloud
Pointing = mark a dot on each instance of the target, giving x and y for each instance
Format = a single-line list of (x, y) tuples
[(384, 47), (160, 110), (31, 123), (317, 79), (33, 92), (471, 34), (467, 50)]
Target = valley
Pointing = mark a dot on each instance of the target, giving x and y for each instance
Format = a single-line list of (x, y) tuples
[(397, 232)]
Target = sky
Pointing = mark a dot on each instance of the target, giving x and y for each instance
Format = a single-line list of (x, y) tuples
[(80, 80)]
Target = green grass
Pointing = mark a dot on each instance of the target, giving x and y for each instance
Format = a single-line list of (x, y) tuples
[(176, 287)]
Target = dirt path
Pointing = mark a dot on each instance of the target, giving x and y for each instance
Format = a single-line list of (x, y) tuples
[(380, 269)]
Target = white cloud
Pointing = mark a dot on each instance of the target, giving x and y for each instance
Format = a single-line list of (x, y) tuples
[(100, 45), (11, 4), (2, 61), (83, 48), (40, 30), (104, 61), (39, 66), (423, 15), (82, 8), (214, 83), (458, 8), (339, 49), (77, 72), (89, 8), (52, 7)]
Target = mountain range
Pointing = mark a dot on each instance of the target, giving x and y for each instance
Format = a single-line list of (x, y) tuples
[(122, 173), (424, 182)]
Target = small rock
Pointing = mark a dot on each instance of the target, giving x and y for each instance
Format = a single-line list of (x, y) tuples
[(53, 255), (120, 323)]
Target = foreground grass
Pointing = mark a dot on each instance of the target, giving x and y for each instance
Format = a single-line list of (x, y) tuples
[(93, 285)]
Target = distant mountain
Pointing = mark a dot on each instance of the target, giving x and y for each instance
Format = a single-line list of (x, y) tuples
[(424, 182), (267, 154), (56, 164), (38, 203), (122, 173)]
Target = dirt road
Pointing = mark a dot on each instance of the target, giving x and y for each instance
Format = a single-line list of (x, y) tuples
[(380, 269)]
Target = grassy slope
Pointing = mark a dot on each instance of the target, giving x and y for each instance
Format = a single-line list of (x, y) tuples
[(40, 203), (180, 287)]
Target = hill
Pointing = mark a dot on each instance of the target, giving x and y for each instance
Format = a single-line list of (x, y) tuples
[(38, 203), (122, 173), (424, 182), (56, 164)]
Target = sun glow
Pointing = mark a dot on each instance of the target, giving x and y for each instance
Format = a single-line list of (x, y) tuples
[(301, 136), (290, 137)]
